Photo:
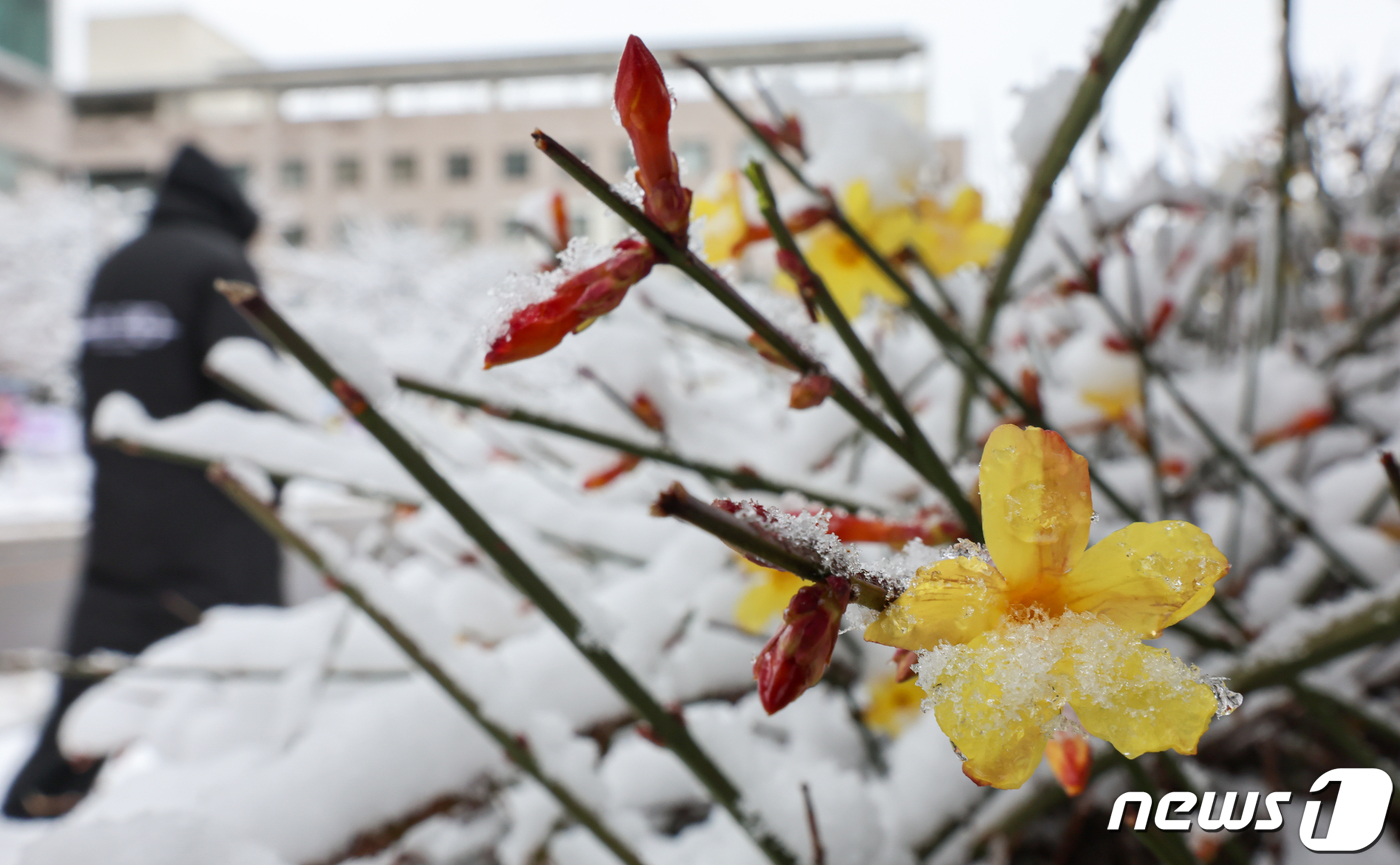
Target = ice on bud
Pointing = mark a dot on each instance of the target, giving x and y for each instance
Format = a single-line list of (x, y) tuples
[(797, 656), (644, 107), (809, 391), (541, 326), (1070, 760)]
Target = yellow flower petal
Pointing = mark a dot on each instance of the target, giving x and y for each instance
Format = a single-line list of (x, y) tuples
[(725, 222), (993, 711), (1140, 699), (1113, 403), (1035, 506), (1146, 576), (892, 705), (766, 597), (950, 601)]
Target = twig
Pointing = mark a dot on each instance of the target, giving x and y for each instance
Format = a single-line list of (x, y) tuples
[(954, 343), (1300, 521), (818, 851), (1122, 35), (514, 747), (677, 502), (932, 466), (1288, 123), (1392, 472), (687, 262), (741, 478), (250, 301)]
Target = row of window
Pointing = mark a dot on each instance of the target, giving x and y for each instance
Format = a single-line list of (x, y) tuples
[(456, 227), (347, 172)]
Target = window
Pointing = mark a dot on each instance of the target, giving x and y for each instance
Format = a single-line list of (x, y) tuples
[(294, 235), (403, 221), (460, 228), (516, 164), (625, 162), (293, 174), (513, 229), (347, 171), (459, 167), (694, 157), (403, 168)]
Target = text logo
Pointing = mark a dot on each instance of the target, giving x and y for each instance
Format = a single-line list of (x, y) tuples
[(1358, 817)]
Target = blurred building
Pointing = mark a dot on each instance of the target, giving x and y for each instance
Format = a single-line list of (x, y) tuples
[(33, 113), (441, 144)]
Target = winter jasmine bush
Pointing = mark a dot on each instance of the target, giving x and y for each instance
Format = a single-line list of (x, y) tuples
[(1095, 474)]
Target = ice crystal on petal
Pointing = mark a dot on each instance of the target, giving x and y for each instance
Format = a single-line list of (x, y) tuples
[(1227, 701)]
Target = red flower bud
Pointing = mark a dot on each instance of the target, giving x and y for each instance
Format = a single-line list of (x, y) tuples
[(647, 412), (1030, 388), (809, 391), (766, 350), (797, 656), (644, 106), (792, 264), (581, 298), (624, 464), (904, 661), (1071, 760), (560, 215)]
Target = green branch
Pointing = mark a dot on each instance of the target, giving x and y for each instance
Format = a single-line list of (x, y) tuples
[(677, 502), (705, 276), (954, 343), (930, 465), (514, 746), (740, 478), (250, 301)]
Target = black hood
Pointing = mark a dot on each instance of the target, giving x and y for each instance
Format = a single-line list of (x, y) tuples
[(197, 188)]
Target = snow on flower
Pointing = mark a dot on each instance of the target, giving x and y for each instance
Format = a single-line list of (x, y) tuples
[(1006, 641)]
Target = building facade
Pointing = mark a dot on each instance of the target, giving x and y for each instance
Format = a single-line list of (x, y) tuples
[(442, 145), (33, 113)]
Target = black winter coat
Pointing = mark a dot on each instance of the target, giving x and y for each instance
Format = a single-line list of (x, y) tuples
[(164, 543)]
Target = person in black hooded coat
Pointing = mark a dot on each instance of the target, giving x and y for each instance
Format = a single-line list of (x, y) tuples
[(164, 544)]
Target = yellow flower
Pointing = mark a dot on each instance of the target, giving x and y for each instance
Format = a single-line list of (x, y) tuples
[(849, 275), (1008, 639), (947, 238), (1114, 403), (726, 227), (766, 598), (893, 704)]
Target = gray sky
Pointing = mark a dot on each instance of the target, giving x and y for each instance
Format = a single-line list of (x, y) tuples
[(1217, 58)]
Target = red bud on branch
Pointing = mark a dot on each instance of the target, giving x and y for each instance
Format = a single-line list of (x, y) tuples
[(624, 464), (797, 656), (1071, 760), (809, 391), (644, 106), (581, 298)]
